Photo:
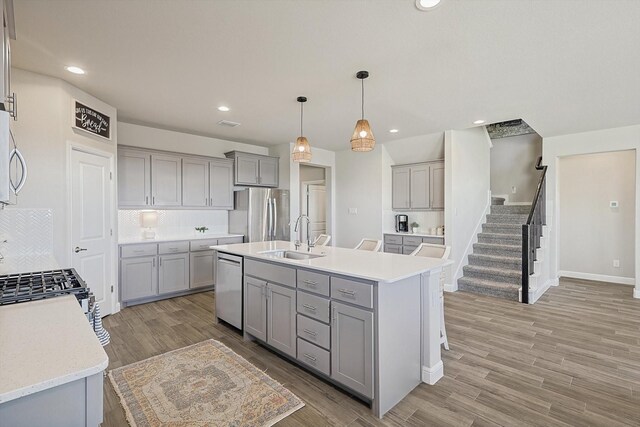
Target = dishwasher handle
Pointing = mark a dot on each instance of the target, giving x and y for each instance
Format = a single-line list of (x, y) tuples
[(228, 259)]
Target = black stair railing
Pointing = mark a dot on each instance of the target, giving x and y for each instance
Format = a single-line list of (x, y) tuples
[(532, 230)]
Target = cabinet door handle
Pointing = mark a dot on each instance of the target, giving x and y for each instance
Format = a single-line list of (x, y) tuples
[(347, 292), (310, 357), (160, 261), (313, 334), (334, 316), (309, 307), (153, 200), (146, 200), (310, 283)]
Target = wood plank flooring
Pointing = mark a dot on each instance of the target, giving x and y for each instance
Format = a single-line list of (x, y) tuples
[(573, 358)]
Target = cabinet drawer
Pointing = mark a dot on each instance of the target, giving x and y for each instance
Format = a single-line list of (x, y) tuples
[(350, 291), (202, 245), (314, 331), (130, 251), (314, 356), (390, 238), (270, 272), (230, 240), (313, 306), (317, 283), (173, 247), (434, 240), (393, 249), (411, 240), (407, 250)]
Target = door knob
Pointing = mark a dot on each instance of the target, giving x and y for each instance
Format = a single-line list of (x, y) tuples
[(79, 249)]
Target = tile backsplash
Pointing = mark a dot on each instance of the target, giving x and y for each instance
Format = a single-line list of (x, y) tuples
[(27, 232), (174, 222)]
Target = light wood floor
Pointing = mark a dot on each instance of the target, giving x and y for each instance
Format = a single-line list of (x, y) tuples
[(573, 358)]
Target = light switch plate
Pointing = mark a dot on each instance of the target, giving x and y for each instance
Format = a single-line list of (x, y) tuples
[(353, 211), (616, 263), (613, 204), (513, 189)]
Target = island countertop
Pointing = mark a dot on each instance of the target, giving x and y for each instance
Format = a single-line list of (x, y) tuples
[(44, 344), (375, 266)]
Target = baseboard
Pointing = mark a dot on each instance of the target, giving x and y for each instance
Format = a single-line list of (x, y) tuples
[(597, 277), (451, 287), (535, 294), (432, 375), (636, 293)]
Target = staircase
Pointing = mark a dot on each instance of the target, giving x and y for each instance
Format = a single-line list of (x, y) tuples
[(495, 266)]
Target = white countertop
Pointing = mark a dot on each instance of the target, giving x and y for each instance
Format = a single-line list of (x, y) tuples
[(44, 344), (375, 266), (27, 264), (398, 233), (160, 239)]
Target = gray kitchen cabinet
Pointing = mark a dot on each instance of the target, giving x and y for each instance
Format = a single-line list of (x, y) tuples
[(281, 318), (255, 169), (202, 266), (419, 187), (134, 178), (166, 180), (400, 182), (436, 178), (195, 182), (405, 244), (393, 249), (138, 277), (221, 184), (352, 348), (173, 273), (255, 308)]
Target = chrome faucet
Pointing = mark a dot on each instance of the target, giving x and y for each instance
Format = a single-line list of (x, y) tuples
[(295, 230)]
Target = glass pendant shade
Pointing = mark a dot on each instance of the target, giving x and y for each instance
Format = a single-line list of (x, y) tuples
[(301, 150), (362, 138)]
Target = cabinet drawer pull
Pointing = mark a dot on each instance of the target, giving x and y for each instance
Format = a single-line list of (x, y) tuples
[(347, 292), (310, 283), (138, 251), (173, 249), (313, 334), (309, 307), (310, 357)]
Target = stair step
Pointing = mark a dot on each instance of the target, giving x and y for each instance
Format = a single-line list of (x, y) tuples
[(508, 291), (493, 274), (498, 228), (507, 218), (494, 249), (500, 239), (511, 209), (496, 261)]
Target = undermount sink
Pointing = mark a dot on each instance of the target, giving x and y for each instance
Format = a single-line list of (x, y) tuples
[(291, 254)]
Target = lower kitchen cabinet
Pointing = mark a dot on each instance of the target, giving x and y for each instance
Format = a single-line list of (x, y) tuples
[(281, 318), (255, 308), (352, 347), (202, 269), (173, 273), (139, 277)]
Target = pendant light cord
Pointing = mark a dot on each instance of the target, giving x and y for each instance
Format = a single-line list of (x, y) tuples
[(362, 81), (301, 117)]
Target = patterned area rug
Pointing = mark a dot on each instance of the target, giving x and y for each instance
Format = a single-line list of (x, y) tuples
[(205, 384)]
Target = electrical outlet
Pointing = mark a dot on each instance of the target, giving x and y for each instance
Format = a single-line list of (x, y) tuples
[(613, 204), (616, 263), (353, 211), (513, 189)]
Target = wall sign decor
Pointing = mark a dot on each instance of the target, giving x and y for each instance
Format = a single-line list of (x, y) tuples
[(92, 121)]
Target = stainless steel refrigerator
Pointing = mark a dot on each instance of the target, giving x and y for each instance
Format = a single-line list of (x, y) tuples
[(261, 214)]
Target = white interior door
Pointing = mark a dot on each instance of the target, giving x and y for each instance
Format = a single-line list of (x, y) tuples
[(315, 206), (91, 224)]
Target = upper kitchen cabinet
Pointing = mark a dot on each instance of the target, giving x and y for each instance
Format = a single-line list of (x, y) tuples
[(254, 170), (134, 178), (221, 184), (418, 186), (195, 182), (7, 98), (166, 180)]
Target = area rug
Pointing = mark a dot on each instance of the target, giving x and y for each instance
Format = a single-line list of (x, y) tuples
[(205, 384)]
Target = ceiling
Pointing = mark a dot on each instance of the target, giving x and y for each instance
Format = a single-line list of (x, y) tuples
[(564, 66)]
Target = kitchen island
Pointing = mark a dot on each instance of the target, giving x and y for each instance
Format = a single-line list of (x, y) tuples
[(368, 322)]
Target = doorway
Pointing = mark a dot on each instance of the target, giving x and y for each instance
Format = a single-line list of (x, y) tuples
[(91, 223), (313, 200)]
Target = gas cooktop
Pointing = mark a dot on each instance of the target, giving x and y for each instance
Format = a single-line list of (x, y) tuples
[(24, 287)]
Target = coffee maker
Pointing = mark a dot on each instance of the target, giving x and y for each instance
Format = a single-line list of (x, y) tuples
[(402, 224)]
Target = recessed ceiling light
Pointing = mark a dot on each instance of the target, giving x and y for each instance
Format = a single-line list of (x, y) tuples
[(74, 70), (478, 122), (427, 4), (223, 108), (393, 130)]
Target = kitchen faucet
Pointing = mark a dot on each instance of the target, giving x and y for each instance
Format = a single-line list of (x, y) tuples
[(295, 230)]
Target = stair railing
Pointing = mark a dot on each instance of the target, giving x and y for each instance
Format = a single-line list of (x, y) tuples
[(532, 230)]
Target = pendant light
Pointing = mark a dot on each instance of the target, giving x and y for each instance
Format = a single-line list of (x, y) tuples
[(362, 138), (301, 150)]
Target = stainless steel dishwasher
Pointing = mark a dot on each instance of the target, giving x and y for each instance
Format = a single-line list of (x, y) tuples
[(229, 289)]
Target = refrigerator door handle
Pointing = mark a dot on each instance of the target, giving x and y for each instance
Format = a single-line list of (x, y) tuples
[(269, 219), (275, 218)]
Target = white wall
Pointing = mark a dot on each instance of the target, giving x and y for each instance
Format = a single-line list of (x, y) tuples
[(606, 140), (467, 189), (512, 165), (44, 133), (592, 234)]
